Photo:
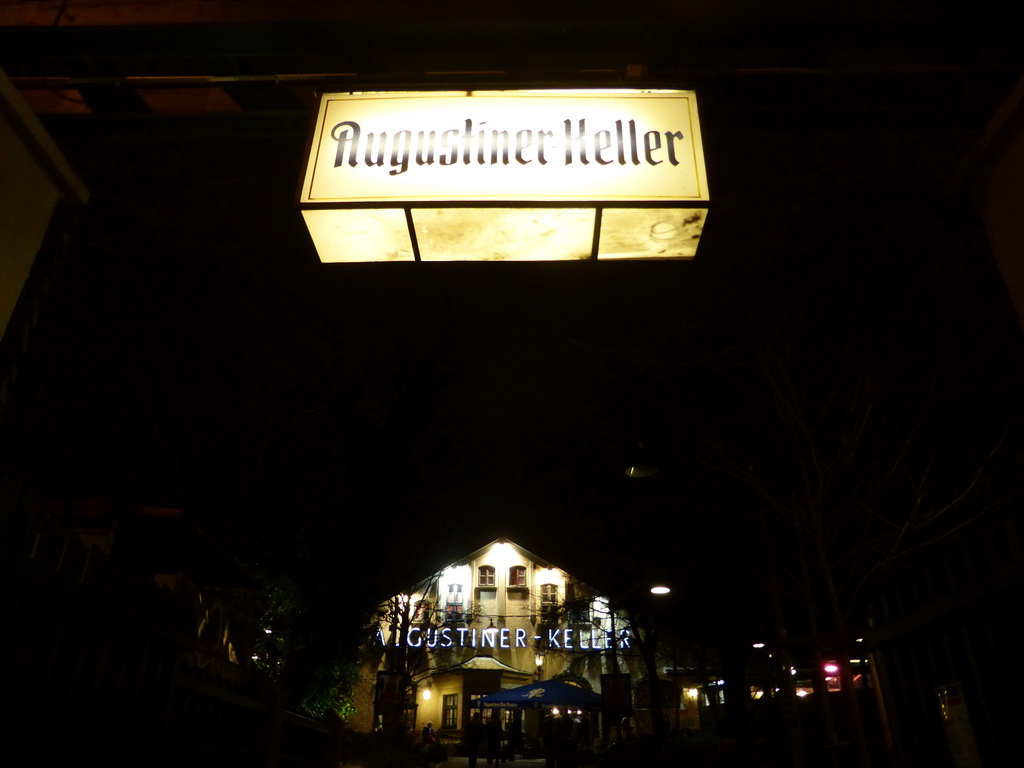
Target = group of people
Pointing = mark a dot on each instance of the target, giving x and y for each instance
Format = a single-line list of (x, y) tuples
[(498, 745), (561, 735)]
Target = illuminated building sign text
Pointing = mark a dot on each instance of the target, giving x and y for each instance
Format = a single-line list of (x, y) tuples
[(539, 175), (372, 148), (476, 144), (564, 638)]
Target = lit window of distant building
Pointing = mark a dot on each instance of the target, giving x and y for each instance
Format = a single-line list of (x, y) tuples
[(486, 576), (517, 576), (549, 601), (450, 711), (454, 605), (485, 712)]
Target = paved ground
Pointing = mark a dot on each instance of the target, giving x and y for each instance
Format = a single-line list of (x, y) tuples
[(463, 762)]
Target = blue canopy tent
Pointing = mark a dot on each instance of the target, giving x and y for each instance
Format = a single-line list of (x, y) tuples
[(548, 693)]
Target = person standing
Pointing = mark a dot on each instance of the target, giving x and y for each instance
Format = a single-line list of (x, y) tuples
[(473, 738), (515, 737), (566, 747), (549, 739), (494, 736)]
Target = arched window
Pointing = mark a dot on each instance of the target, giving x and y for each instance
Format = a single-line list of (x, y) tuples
[(517, 576), (486, 576)]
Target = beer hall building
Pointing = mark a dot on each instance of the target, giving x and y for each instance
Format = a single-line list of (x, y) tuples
[(500, 618)]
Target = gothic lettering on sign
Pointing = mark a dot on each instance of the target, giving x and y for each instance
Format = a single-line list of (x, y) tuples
[(619, 143)]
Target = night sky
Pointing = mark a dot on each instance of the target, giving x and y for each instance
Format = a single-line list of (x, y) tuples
[(195, 353)]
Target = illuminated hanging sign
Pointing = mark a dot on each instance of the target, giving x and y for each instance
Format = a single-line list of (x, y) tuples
[(505, 175), (508, 146), (564, 638)]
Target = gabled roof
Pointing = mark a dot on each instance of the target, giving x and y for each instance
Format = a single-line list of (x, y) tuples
[(487, 663), (591, 577), (478, 552), (423, 580), (475, 554)]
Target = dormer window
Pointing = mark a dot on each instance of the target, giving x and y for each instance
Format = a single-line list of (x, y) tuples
[(486, 576), (517, 576)]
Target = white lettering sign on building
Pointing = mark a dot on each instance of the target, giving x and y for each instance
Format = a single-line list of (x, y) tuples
[(560, 638), (405, 159)]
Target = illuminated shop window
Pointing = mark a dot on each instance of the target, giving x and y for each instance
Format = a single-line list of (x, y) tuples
[(517, 576), (485, 712), (450, 711), (689, 698), (486, 576), (454, 605)]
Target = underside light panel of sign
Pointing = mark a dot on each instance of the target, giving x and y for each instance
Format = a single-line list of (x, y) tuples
[(505, 176)]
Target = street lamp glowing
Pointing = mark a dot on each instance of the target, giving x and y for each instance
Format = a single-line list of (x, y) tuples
[(660, 589)]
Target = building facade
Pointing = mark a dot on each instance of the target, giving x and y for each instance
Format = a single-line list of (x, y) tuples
[(500, 618)]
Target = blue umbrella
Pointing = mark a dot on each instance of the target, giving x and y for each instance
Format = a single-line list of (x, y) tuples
[(548, 693)]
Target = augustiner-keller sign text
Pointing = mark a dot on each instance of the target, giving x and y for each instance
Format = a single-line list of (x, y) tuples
[(560, 638), (515, 146), (480, 145)]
